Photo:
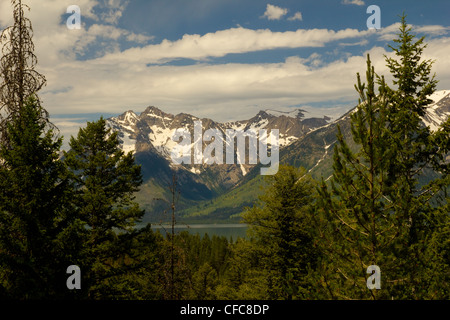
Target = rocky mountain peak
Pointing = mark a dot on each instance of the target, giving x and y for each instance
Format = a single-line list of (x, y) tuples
[(154, 112), (295, 113), (152, 130), (303, 139), (128, 117)]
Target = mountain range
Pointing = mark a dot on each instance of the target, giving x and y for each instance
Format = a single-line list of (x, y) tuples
[(219, 192)]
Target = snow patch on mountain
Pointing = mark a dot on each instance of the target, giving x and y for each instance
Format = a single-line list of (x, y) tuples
[(127, 120), (438, 95), (128, 144), (439, 111), (259, 125), (285, 140), (153, 128), (161, 139)]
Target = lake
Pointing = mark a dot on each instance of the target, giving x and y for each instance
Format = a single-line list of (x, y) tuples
[(233, 230)]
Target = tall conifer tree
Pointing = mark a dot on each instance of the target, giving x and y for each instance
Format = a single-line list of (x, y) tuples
[(416, 154), (105, 180), (360, 229), (379, 211), (34, 222), (283, 239)]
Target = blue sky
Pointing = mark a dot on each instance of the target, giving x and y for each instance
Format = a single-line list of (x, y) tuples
[(223, 59), (171, 19)]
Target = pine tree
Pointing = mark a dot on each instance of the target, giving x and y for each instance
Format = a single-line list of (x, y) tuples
[(360, 230), (245, 277), (105, 180), (380, 211), (34, 220), (437, 248), (415, 155), (280, 226)]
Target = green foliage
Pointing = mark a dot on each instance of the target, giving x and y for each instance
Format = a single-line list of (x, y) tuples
[(245, 277), (33, 217), (359, 228), (415, 150), (377, 213), (104, 181), (282, 233)]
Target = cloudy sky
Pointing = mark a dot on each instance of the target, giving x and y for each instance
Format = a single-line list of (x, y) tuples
[(222, 59)]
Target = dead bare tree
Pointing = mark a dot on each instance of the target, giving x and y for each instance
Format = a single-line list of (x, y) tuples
[(19, 80), (173, 188)]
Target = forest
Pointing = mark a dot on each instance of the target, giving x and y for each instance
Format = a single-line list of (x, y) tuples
[(307, 239)]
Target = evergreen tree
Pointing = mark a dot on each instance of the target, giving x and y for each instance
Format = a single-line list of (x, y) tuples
[(204, 281), (360, 229), (415, 154), (283, 238), (105, 180), (34, 220), (437, 249), (379, 211), (245, 277)]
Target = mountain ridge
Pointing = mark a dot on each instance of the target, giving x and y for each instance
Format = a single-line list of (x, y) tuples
[(306, 142)]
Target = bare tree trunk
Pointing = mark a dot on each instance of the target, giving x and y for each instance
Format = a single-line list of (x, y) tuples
[(19, 80)]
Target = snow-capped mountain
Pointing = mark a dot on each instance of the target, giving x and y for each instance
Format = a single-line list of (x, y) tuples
[(314, 149), (304, 141), (153, 129)]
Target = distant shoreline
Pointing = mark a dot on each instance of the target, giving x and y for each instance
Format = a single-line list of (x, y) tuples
[(198, 226)]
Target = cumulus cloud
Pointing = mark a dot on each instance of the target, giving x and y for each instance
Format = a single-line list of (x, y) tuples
[(135, 78), (390, 32), (219, 91), (206, 88), (274, 12), (350, 44), (297, 16), (54, 43), (114, 10), (434, 30), (223, 42)]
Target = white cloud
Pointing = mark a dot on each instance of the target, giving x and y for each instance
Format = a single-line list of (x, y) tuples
[(68, 123), (355, 2), (114, 10), (223, 92), (223, 42), (274, 12), (218, 91), (434, 30), (297, 16), (68, 127), (390, 32), (121, 80), (359, 43)]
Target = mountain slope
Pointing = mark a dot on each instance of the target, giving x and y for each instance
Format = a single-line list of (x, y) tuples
[(314, 151), (149, 136)]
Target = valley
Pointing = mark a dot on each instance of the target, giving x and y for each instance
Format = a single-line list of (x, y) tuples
[(218, 193)]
